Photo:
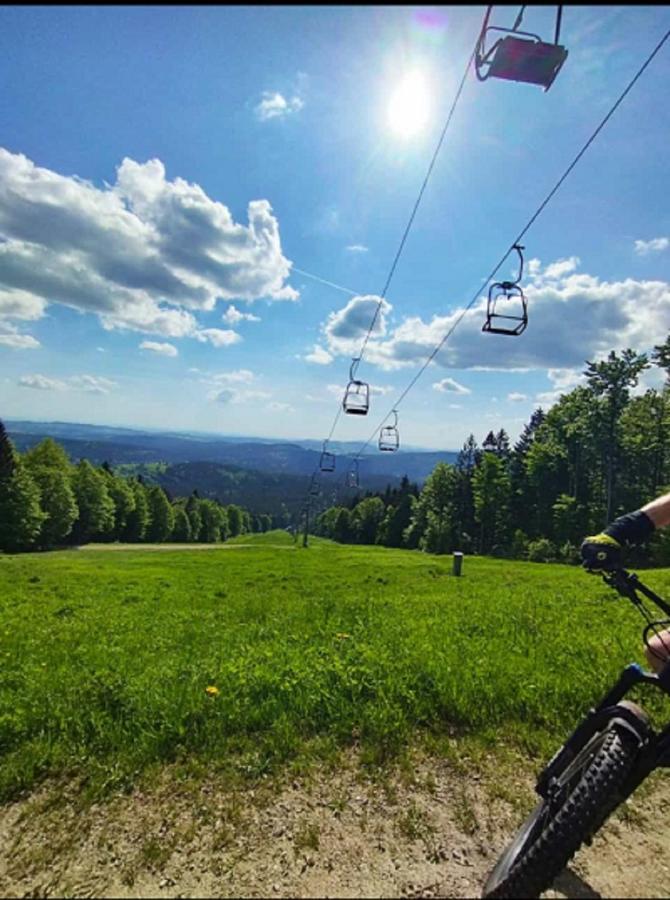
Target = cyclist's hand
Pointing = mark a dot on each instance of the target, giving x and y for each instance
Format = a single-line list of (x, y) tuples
[(601, 553)]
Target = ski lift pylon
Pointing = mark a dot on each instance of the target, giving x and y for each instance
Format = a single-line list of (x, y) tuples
[(327, 461), (528, 59), (389, 438), (503, 291), (356, 400)]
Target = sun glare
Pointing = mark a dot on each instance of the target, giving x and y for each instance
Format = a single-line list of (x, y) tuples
[(409, 107)]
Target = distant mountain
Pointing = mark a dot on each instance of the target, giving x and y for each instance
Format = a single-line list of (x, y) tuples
[(125, 446)]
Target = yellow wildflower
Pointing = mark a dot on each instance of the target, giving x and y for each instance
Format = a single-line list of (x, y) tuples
[(212, 691), (342, 636)]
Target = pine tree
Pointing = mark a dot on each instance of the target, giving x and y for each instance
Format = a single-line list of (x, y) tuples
[(21, 516), (161, 514), (8, 455)]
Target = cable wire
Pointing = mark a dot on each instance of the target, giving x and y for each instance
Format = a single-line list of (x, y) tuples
[(517, 240)]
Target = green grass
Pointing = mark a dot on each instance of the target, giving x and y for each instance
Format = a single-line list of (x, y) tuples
[(105, 657)]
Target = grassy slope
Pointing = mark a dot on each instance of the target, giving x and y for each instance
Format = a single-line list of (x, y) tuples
[(106, 657)]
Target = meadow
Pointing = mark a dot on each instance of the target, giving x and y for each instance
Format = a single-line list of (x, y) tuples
[(113, 664)]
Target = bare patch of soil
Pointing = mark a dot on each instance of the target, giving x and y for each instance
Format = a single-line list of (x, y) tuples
[(435, 832)]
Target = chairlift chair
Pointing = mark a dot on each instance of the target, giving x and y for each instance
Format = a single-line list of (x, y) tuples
[(389, 439), (527, 59), (502, 291), (327, 461), (356, 400), (353, 480), (314, 487)]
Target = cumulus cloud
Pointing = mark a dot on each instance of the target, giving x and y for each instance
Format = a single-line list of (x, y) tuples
[(233, 316), (160, 348), (449, 385), (516, 397), (233, 387), (357, 248), (218, 337), (573, 317), (274, 105), (144, 254), (319, 356), (345, 328), (655, 245), (11, 337), (92, 384)]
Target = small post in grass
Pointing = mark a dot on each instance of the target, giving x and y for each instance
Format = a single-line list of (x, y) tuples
[(458, 563)]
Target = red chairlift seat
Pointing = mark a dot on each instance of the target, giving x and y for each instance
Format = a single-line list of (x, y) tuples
[(526, 59), (356, 400), (518, 311)]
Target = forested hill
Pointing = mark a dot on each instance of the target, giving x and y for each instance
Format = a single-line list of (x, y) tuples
[(120, 445)]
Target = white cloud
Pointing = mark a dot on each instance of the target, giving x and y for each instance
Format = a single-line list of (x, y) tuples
[(449, 385), (42, 383), (143, 254), (218, 337), (238, 376), (11, 337), (160, 348), (573, 317), (357, 248), (233, 316), (94, 384), (274, 105), (276, 406), (655, 245), (516, 397), (319, 356), (346, 327)]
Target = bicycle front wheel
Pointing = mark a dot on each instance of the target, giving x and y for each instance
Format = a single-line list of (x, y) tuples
[(585, 794)]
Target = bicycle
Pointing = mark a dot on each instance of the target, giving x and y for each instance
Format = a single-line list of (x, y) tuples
[(610, 753)]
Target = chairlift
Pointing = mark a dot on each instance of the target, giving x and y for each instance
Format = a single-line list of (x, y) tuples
[(389, 439), (353, 480), (356, 400), (502, 291), (327, 461), (314, 486), (528, 59)]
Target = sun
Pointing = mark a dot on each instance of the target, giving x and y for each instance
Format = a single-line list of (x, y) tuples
[(409, 106)]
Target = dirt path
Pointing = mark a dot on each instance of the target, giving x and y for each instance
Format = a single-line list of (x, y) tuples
[(436, 834)]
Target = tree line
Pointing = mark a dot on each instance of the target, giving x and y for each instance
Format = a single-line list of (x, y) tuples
[(46, 501), (597, 453)]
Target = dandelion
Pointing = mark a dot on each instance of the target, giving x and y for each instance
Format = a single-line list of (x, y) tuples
[(212, 691)]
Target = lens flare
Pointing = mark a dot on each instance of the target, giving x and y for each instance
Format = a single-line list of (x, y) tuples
[(409, 106)]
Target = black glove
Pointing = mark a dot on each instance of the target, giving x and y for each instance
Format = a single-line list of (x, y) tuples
[(604, 551), (601, 553)]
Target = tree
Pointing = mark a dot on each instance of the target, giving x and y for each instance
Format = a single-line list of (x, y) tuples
[(611, 380), (367, 518), (235, 521), (123, 496), (181, 530), (139, 517), (49, 466), (96, 507), (161, 514), (342, 530), (21, 516), (8, 455), (212, 518), (194, 517), (437, 506), (491, 486)]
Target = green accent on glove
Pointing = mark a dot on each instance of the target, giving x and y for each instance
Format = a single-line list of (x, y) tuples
[(601, 551)]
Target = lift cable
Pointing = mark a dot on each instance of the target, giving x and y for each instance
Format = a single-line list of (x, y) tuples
[(408, 226), (517, 240)]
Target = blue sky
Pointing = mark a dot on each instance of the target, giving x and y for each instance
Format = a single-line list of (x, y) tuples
[(139, 287)]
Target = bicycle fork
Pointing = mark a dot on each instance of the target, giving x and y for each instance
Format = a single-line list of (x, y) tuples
[(655, 749)]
